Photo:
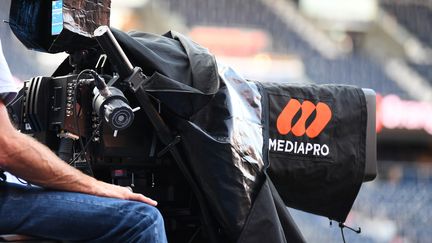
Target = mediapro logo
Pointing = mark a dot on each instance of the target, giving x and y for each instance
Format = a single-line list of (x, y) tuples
[(285, 124)]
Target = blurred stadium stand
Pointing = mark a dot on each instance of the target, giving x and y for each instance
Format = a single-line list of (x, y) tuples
[(424, 70), (413, 16), (356, 68)]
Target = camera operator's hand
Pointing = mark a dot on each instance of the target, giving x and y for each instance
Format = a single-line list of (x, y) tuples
[(108, 190)]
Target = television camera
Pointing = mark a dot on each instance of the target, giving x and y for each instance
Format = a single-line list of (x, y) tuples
[(216, 151)]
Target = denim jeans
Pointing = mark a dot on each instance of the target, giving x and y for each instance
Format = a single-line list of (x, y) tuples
[(77, 217)]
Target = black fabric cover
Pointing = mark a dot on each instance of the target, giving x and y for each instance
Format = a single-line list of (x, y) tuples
[(324, 177), (223, 121), (269, 219), (227, 162), (183, 75)]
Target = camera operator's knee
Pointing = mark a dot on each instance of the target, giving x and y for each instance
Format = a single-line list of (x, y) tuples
[(157, 216), (145, 224), (157, 219), (145, 216)]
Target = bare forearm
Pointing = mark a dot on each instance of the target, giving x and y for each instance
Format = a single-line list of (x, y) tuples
[(37, 164), (27, 158)]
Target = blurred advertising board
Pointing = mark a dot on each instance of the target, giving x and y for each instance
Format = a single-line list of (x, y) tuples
[(401, 119)]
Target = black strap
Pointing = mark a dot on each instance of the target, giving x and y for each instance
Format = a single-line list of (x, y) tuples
[(165, 135), (342, 226), (2, 176)]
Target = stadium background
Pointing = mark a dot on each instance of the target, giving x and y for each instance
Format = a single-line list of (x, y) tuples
[(385, 45)]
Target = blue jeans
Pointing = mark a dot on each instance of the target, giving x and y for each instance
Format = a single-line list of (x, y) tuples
[(77, 217)]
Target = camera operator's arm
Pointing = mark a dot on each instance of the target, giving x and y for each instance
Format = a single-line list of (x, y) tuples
[(25, 157)]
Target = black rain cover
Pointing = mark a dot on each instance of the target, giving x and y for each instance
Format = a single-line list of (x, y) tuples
[(183, 75), (316, 142), (225, 123)]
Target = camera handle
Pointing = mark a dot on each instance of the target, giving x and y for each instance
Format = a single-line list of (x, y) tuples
[(111, 47), (136, 78)]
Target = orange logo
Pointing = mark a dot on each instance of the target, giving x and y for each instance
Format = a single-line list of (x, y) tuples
[(322, 118)]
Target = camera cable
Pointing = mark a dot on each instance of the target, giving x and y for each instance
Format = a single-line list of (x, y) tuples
[(76, 116)]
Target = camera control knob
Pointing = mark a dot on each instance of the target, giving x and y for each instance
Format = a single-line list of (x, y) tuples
[(113, 109)]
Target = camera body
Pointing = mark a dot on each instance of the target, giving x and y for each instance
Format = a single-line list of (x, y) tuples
[(60, 111)]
